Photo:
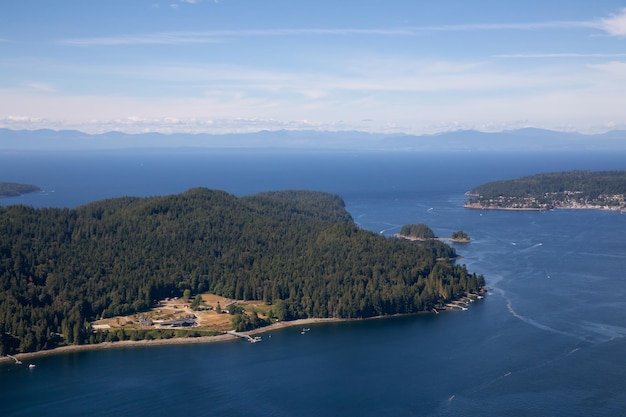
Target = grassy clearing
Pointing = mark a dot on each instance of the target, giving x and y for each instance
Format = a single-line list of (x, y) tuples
[(208, 318)]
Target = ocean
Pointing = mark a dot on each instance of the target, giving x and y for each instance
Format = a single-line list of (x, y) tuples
[(548, 340)]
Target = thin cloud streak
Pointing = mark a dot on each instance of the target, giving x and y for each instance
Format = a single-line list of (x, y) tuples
[(557, 55), (507, 26), (179, 38), (165, 38), (615, 25)]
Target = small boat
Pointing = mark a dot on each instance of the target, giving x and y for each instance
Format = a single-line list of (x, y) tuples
[(31, 366)]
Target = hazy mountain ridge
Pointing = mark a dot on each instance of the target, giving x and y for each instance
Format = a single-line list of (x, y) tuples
[(527, 139)]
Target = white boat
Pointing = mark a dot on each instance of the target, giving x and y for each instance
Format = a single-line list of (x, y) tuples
[(31, 365)]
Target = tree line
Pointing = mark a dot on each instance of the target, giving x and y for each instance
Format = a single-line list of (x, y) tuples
[(588, 186), (298, 251)]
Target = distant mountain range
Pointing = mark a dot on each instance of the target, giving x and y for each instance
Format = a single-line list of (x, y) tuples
[(528, 139)]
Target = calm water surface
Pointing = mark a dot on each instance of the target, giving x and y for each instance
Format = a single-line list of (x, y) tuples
[(549, 341)]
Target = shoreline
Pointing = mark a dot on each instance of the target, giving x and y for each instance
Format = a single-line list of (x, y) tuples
[(161, 342), (476, 206), (24, 357), (426, 239)]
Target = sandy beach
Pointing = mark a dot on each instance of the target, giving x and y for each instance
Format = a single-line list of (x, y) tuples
[(25, 357)]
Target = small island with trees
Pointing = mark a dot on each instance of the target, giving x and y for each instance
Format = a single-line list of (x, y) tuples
[(12, 189), (197, 263), (604, 190), (421, 232)]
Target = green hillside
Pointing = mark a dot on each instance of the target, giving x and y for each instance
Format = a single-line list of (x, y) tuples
[(299, 251)]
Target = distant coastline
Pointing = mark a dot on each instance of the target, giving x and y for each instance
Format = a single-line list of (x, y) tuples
[(12, 189), (581, 190), (478, 206)]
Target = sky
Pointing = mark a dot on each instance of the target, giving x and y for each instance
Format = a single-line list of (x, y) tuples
[(221, 66)]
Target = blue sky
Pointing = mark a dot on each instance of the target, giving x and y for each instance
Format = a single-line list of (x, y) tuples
[(220, 66)]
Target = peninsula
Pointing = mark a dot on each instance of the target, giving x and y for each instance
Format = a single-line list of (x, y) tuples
[(193, 264), (604, 190), (12, 189)]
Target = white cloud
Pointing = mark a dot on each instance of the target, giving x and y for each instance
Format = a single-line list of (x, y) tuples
[(387, 96), (18, 119), (374, 93), (395, 94), (614, 25), (611, 71)]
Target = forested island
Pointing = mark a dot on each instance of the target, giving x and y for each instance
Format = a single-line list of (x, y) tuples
[(298, 253), (12, 189), (422, 232), (604, 190)]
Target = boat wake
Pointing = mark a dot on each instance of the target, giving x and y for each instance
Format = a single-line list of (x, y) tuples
[(601, 332), (593, 333), (532, 247), (532, 322), (393, 226)]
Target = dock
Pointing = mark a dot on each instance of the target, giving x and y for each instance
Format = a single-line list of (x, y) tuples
[(17, 361), (463, 302), (249, 338)]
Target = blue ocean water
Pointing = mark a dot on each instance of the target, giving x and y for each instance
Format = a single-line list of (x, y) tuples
[(548, 341)]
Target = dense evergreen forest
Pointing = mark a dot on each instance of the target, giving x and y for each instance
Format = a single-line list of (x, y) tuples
[(418, 231), (593, 189), (298, 251), (12, 189)]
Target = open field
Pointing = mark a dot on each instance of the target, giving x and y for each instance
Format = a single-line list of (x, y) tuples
[(177, 311)]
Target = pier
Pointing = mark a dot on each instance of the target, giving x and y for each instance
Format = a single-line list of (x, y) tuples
[(457, 304), (244, 336), (17, 361)]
